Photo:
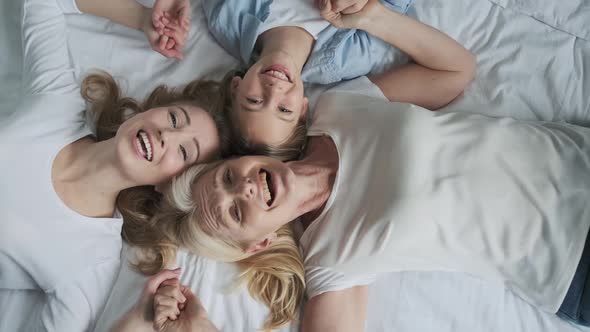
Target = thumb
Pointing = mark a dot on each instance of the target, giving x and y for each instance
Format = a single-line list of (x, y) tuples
[(185, 18), (152, 284)]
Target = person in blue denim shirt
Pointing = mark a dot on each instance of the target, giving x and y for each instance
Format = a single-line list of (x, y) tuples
[(266, 105)]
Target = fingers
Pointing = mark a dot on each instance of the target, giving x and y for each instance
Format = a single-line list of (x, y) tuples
[(162, 42), (172, 290), (185, 18), (164, 313), (168, 303), (175, 52), (328, 13), (179, 35), (157, 16), (340, 5), (354, 8), (154, 282)]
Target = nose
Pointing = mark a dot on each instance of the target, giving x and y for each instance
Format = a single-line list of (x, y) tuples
[(168, 136), (275, 86), (247, 188), (161, 138)]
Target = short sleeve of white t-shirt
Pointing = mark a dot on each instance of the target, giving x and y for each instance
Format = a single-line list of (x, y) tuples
[(322, 279), (299, 13)]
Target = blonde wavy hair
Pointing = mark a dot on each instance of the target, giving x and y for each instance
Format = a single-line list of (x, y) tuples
[(274, 276)]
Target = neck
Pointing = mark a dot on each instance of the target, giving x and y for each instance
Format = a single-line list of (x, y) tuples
[(317, 174), (294, 41), (90, 169)]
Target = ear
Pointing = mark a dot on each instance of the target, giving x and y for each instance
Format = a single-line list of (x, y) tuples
[(235, 83), (261, 245), (305, 107)]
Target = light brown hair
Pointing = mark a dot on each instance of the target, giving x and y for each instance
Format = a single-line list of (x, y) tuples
[(109, 109), (289, 150)]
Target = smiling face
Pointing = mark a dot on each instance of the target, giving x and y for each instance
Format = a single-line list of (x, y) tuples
[(269, 101), (157, 144), (247, 199)]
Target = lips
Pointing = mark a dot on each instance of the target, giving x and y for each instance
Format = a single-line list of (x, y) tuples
[(144, 145), (278, 72)]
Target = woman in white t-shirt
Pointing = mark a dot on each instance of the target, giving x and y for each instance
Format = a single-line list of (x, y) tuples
[(398, 188), (61, 185)]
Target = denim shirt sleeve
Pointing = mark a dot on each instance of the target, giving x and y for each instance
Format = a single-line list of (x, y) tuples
[(344, 54), (236, 24)]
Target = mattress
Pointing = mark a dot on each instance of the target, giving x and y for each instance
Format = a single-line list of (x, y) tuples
[(530, 66)]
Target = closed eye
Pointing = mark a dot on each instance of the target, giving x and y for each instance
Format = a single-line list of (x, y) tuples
[(285, 110), (173, 119), (183, 152), (227, 176), (254, 101)]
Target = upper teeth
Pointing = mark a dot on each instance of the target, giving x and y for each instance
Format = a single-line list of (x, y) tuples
[(147, 144), (265, 189), (278, 74)]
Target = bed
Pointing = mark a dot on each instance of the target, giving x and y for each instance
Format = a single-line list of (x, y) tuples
[(533, 63)]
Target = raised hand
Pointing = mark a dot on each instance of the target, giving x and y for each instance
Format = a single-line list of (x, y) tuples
[(168, 27), (171, 11), (177, 309), (348, 14), (140, 316)]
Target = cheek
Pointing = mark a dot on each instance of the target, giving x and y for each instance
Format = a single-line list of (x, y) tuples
[(171, 165)]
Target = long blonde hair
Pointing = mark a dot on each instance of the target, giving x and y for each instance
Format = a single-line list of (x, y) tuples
[(109, 109), (274, 276)]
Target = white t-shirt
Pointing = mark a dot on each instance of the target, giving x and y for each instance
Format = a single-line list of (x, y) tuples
[(298, 13), (44, 244), (501, 199)]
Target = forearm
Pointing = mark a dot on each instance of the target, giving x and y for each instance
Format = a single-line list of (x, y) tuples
[(424, 44), (125, 12), (131, 322)]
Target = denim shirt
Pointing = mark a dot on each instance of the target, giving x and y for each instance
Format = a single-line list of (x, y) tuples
[(338, 54)]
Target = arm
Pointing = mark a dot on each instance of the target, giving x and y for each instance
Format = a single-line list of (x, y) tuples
[(46, 61), (442, 66), (125, 12), (341, 311)]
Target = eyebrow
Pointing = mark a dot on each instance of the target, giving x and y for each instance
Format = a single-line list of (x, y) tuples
[(188, 118)]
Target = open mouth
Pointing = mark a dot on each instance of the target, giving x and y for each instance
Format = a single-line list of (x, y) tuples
[(268, 190), (144, 145), (278, 72)]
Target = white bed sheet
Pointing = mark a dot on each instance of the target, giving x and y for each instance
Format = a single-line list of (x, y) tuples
[(526, 69)]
